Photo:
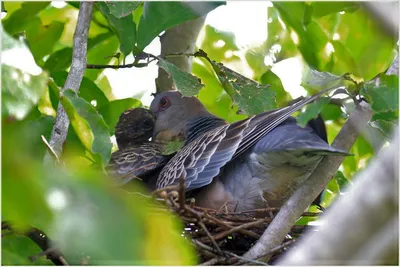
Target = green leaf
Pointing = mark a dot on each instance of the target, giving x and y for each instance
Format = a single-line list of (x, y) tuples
[(122, 9), (124, 27), (212, 36), (88, 89), (160, 16), (321, 9), (282, 97), (22, 18), (341, 181), (88, 125), (250, 96), (370, 47), (172, 147), (101, 54), (137, 237), (185, 83), (59, 60), (23, 195), (312, 111), (114, 109), (213, 95), (344, 61), (21, 91), (331, 112), (16, 250), (42, 39), (384, 97), (321, 80), (308, 12), (312, 39), (3, 8)]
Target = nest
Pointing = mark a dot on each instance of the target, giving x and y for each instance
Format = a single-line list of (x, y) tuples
[(221, 237)]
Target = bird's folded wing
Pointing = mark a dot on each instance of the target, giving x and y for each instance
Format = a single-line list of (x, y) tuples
[(265, 122), (201, 160), (133, 162)]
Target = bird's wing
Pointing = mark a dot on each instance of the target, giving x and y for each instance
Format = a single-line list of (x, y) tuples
[(201, 160), (265, 122), (133, 162)]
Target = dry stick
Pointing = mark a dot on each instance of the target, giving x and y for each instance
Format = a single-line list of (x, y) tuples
[(238, 228), (212, 261), (200, 222), (204, 246), (74, 79), (226, 225), (303, 197), (181, 192)]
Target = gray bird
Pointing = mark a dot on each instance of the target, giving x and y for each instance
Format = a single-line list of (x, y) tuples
[(253, 163)]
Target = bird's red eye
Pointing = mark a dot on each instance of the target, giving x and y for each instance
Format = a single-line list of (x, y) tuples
[(164, 102)]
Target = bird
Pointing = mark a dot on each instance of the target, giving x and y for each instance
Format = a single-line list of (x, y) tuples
[(137, 157), (253, 163)]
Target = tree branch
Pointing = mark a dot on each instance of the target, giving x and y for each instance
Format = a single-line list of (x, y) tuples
[(303, 197), (351, 232), (74, 79), (181, 38)]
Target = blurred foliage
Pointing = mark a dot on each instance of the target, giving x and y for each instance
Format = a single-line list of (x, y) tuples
[(74, 202)]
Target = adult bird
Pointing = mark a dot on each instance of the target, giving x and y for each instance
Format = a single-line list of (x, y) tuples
[(253, 163)]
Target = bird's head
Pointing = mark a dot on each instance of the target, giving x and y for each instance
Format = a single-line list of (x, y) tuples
[(134, 126), (173, 111)]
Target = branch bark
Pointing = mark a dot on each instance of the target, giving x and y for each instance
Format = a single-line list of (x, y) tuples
[(303, 197), (181, 38), (74, 79), (362, 226)]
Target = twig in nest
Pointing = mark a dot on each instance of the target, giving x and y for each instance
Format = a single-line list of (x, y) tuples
[(226, 225), (181, 191), (212, 261), (204, 246), (200, 222), (236, 229)]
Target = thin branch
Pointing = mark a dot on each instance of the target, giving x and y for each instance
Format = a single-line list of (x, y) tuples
[(135, 64), (74, 79)]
